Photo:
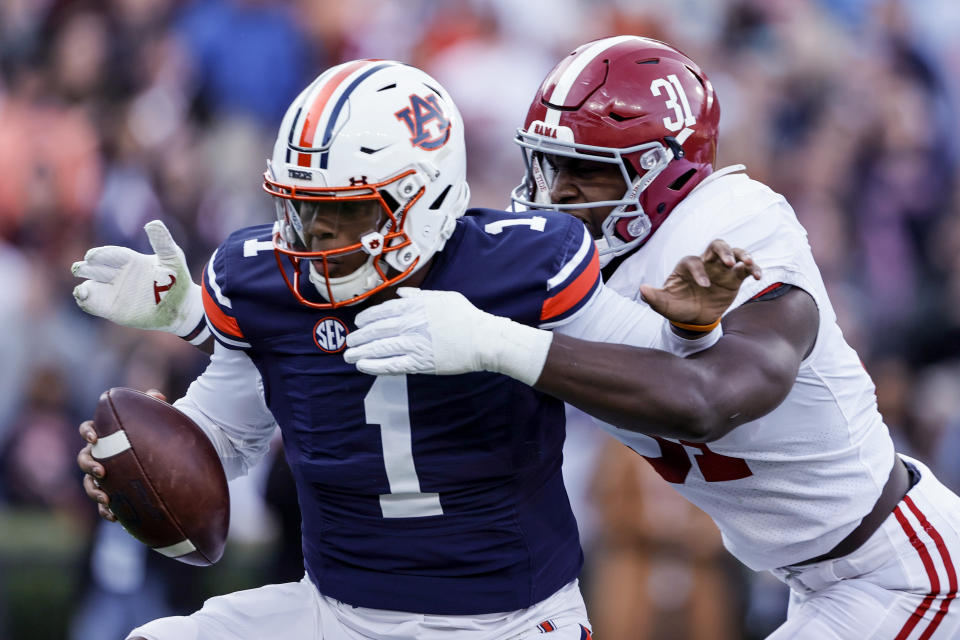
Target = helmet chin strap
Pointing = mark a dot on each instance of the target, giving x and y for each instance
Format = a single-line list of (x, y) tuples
[(542, 192), (348, 286)]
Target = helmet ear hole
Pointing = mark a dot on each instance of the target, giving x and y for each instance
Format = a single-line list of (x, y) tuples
[(443, 196), (677, 184)]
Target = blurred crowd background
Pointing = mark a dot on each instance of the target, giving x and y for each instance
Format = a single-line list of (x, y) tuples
[(116, 112)]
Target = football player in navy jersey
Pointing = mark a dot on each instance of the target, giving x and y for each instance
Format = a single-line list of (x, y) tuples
[(430, 506), (774, 430)]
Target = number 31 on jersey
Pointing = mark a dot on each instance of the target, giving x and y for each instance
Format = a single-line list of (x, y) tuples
[(674, 463)]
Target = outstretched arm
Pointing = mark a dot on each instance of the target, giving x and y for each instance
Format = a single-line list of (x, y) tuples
[(745, 375), (144, 291), (698, 398), (442, 333)]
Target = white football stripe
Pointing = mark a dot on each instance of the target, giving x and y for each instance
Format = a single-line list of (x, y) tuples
[(570, 75), (182, 548), (564, 273), (202, 337), (212, 279), (222, 338), (110, 445)]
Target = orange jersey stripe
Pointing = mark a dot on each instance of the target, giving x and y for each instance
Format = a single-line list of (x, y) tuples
[(573, 293), (223, 322), (319, 103)]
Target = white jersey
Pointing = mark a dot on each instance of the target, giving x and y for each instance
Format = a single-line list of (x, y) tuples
[(788, 486)]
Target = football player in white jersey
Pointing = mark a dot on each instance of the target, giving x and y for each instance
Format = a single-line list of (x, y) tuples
[(774, 431), (434, 537)]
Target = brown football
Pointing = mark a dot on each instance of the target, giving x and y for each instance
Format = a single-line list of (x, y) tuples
[(164, 478)]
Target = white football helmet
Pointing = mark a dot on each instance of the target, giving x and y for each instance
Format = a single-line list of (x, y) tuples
[(369, 130)]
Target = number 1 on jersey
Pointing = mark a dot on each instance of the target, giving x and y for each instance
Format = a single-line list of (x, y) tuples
[(386, 405), (537, 223)]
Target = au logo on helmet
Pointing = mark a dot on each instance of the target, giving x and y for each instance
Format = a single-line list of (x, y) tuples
[(330, 334), (421, 113)]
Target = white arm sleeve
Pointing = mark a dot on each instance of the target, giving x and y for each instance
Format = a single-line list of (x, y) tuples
[(610, 317), (227, 402)]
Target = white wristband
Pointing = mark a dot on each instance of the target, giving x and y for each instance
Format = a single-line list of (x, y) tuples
[(193, 325), (522, 350), (683, 347)]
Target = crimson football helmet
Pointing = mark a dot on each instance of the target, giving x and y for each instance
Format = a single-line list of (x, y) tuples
[(632, 102), (368, 135)]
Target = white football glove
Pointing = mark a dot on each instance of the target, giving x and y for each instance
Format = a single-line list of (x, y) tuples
[(441, 332), (142, 291)]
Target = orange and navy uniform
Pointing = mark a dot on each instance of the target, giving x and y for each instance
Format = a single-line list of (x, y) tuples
[(218, 309), (540, 270), (488, 526)]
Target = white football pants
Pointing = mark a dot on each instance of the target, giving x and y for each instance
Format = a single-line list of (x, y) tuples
[(900, 585), (297, 611)]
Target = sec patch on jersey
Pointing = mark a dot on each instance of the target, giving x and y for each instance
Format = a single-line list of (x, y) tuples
[(165, 481)]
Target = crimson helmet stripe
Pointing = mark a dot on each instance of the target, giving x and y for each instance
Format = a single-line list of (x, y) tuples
[(319, 103), (567, 74)]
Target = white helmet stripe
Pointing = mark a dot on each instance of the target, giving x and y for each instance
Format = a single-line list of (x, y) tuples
[(569, 75)]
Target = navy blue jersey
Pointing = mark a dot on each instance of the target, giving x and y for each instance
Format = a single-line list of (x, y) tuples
[(430, 494)]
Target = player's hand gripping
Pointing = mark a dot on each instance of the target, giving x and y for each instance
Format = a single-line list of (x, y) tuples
[(702, 287), (93, 471), (441, 332), (139, 290)]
